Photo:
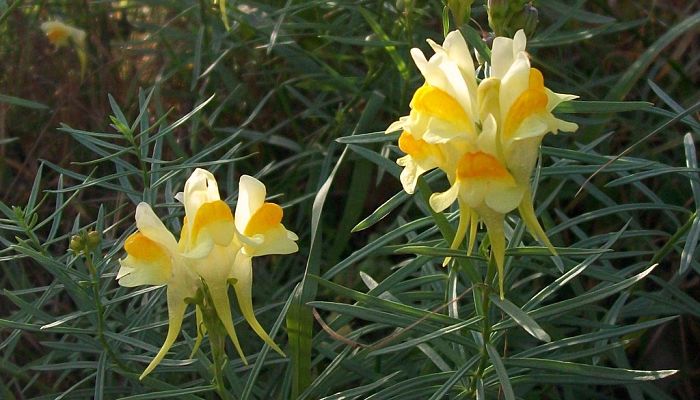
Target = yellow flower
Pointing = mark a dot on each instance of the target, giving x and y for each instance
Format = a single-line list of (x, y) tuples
[(153, 259), (60, 34), (210, 254), (207, 241), (259, 223), (260, 232), (484, 136)]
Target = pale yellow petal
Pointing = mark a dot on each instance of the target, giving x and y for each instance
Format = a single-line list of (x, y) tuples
[(527, 213), (473, 227), (501, 56), (554, 99), (243, 273), (219, 296), (439, 131), (487, 140), (57, 32), (488, 98), (532, 126), (497, 238), (275, 241), (148, 223), (441, 201), (515, 81), (504, 199), (519, 42), (460, 233), (474, 191), (251, 196), (456, 48), (396, 125), (409, 174), (200, 188), (215, 220), (176, 312), (134, 272), (521, 158)]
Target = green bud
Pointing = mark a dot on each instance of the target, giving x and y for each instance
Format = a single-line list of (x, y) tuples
[(76, 244), (531, 19), (93, 240), (460, 9), (508, 16)]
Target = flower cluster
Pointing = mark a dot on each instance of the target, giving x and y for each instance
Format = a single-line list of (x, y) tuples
[(215, 250), (484, 135)]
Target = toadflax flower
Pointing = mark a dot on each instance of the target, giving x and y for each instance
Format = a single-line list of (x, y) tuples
[(485, 135), (61, 34), (211, 254)]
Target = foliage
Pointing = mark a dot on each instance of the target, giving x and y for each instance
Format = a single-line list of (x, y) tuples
[(298, 94)]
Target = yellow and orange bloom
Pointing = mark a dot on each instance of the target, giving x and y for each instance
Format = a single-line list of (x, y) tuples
[(61, 34), (260, 232), (210, 255), (153, 259), (484, 135)]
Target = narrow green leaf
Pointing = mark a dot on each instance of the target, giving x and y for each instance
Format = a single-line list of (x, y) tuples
[(501, 372), (170, 393), (603, 333), (454, 379), (521, 318), (592, 371), (600, 107), (16, 101), (410, 385), (586, 298), (360, 390), (391, 50), (366, 138), (300, 320), (382, 211), (691, 244), (691, 161)]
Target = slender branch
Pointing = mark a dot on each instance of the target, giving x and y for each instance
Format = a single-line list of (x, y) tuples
[(100, 311)]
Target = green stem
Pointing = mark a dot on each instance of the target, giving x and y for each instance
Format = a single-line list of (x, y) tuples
[(100, 312), (217, 341), (485, 325), (218, 351)]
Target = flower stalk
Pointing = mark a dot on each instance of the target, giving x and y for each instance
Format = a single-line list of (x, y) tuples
[(84, 244), (217, 341), (484, 134)]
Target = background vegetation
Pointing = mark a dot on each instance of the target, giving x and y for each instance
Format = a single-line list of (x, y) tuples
[(298, 93)]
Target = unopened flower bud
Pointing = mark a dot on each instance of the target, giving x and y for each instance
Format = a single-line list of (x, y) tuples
[(76, 244), (460, 9), (508, 16), (531, 17), (93, 240)]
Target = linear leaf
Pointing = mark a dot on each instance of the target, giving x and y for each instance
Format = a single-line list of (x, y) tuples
[(592, 371), (522, 318)]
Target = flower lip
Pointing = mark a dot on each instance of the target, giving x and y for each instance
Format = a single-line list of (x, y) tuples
[(417, 148), (437, 103), (139, 246), (532, 101), (480, 165), (265, 218)]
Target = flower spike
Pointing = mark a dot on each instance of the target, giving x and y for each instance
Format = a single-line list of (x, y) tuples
[(211, 255), (485, 136)]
